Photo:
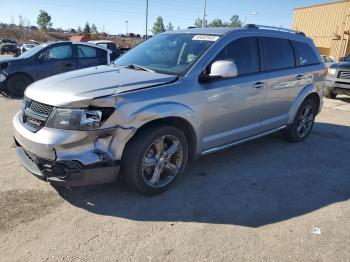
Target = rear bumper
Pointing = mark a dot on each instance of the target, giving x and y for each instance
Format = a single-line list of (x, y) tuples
[(68, 173)]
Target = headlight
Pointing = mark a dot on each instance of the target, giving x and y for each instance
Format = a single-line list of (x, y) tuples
[(332, 71), (78, 119), (2, 77)]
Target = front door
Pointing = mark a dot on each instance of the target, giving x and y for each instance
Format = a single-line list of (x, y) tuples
[(235, 106), (55, 60)]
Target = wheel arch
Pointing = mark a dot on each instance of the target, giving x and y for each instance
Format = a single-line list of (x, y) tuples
[(310, 91), (175, 121), (20, 73)]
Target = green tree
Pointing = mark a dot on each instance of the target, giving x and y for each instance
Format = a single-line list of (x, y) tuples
[(79, 31), (170, 27), (94, 29), (217, 23), (44, 20), (158, 26), (87, 29), (198, 22), (235, 21)]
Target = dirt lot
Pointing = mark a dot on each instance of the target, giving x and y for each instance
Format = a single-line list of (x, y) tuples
[(255, 202)]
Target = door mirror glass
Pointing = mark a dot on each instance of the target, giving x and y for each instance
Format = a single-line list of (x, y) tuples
[(223, 69)]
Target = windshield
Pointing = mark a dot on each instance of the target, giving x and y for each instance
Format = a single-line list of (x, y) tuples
[(168, 53), (31, 52)]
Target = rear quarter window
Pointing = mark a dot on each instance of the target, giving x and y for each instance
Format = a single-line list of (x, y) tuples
[(277, 53), (304, 54)]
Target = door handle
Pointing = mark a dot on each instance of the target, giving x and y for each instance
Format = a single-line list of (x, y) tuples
[(299, 77), (259, 84), (68, 64)]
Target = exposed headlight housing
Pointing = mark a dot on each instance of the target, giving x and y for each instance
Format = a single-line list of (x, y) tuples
[(78, 119), (2, 77), (332, 71)]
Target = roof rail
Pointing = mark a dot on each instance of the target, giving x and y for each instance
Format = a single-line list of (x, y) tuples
[(274, 28)]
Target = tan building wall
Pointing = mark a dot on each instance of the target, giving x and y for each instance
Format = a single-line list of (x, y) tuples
[(326, 24)]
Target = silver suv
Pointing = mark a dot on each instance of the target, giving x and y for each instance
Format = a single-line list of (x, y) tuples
[(176, 96)]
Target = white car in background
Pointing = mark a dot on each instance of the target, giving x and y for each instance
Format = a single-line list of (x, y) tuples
[(27, 46), (328, 60)]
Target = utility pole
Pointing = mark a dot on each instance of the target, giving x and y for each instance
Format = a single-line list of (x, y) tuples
[(127, 29), (146, 17), (204, 13)]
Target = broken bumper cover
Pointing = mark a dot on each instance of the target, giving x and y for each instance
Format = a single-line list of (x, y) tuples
[(68, 173)]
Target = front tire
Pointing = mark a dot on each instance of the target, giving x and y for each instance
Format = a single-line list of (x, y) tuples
[(17, 84), (303, 122), (155, 158)]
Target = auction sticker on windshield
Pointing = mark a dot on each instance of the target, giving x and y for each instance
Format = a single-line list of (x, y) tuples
[(205, 37)]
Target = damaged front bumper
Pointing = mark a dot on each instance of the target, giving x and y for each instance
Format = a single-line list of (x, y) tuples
[(69, 157)]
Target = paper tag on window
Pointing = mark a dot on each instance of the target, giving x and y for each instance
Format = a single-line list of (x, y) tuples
[(205, 37)]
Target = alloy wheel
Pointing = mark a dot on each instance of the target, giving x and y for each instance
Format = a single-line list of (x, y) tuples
[(162, 161)]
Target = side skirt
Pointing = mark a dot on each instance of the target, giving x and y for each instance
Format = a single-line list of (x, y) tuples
[(219, 148)]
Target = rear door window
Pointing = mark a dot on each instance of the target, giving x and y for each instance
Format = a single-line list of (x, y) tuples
[(244, 52), (277, 53), (89, 51), (304, 54)]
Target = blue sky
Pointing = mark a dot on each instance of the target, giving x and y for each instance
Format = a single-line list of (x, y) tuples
[(111, 15)]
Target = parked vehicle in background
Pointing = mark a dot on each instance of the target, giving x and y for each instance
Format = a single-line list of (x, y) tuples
[(338, 80), (174, 97), (46, 60), (123, 50), (109, 45), (327, 60), (8, 46), (344, 59), (27, 46)]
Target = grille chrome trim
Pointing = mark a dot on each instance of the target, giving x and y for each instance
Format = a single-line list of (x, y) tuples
[(34, 114), (344, 74)]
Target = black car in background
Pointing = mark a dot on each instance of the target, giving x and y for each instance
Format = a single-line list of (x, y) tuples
[(46, 60), (109, 45), (8, 46)]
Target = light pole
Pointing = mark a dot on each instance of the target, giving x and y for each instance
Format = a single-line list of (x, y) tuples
[(146, 17), (126, 24), (204, 13), (245, 18)]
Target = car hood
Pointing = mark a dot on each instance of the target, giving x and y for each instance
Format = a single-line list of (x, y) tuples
[(78, 88), (344, 65), (10, 60)]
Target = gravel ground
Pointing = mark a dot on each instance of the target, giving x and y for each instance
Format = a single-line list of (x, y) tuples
[(255, 202)]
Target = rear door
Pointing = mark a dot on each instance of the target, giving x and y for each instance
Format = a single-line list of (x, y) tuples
[(54, 60), (88, 56), (285, 80)]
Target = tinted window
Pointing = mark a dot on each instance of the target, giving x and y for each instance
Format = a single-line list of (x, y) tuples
[(305, 55), (244, 52), (89, 51), (58, 52), (277, 53)]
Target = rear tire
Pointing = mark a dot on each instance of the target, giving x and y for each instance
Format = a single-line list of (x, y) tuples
[(303, 122), (330, 95), (17, 84), (147, 164)]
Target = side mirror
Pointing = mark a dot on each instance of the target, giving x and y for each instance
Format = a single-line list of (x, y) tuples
[(41, 57), (223, 69)]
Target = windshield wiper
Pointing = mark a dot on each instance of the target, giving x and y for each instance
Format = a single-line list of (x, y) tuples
[(138, 67)]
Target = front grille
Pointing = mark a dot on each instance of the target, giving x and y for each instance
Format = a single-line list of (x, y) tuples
[(34, 114), (344, 74), (40, 108)]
